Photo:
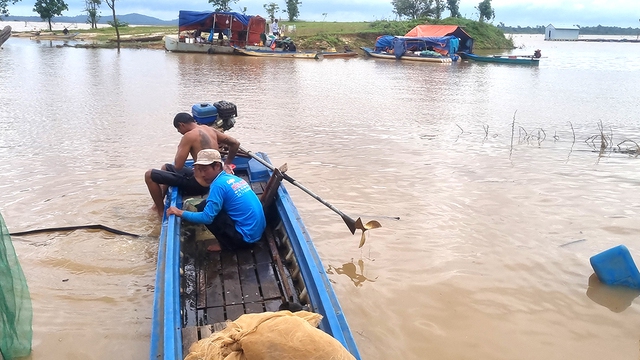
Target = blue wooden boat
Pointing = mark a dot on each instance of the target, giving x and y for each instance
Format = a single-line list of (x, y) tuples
[(278, 54), (406, 56), (196, 291), (503, 59)]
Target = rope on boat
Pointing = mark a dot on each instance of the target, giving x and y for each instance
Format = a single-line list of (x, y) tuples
[(71, 228)]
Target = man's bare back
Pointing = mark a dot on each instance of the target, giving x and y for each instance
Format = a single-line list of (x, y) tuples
[(194, 138), (204, 137)]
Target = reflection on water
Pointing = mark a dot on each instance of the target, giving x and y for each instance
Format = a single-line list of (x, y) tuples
[(614, 298), (485, 262), (349, 269)]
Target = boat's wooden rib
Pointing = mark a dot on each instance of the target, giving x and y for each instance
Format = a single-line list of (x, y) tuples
[(198, 291)]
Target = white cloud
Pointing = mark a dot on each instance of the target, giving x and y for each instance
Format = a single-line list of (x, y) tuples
[(511, 12)]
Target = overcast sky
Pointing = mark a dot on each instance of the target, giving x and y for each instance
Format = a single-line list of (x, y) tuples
[(624, 13)]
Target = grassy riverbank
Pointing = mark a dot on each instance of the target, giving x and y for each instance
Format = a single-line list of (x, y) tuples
[(356, 34), (309, 35)]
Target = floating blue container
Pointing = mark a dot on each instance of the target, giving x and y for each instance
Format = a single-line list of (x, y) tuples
[(204, 113), (616, 267)]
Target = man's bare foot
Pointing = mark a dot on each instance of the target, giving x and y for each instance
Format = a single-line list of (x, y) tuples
[(214, 248), (155, 210)]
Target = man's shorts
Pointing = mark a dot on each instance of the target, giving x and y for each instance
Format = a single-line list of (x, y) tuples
[(183, 179)]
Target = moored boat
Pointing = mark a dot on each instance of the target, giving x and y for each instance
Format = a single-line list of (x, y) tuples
[(50, 36), (197, 291), (5, 34), (406, 56), (335, 54), (222, 32), (441, 49), (279, 54), (505, 59)]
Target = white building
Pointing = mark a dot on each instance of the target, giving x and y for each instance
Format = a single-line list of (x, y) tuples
[(561, 32)]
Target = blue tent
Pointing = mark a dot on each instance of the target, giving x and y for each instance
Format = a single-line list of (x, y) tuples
[(239, 28)]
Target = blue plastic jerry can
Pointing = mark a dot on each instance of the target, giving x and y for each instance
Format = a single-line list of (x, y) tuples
[(616, 267)]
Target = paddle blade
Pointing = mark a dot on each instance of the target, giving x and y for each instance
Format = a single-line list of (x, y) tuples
[(373, 224), (362, 240)]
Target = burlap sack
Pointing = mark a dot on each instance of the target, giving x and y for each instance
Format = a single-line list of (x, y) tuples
[(281, 335)]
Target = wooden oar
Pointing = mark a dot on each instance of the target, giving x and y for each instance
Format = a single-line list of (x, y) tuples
[(351, 224)]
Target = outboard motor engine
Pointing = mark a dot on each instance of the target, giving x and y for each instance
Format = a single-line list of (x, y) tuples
[(227, 112), (220, 115)]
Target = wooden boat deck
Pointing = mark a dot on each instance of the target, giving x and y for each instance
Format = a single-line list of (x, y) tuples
[(221, 286)]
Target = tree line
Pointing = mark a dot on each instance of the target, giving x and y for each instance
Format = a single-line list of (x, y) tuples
[(48, 9), (292, 8), (584, 30), (418, 9)]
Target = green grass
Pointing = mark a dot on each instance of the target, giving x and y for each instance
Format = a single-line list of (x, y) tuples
[(107, 33), (336, 34), (322, 35), (311, 28)]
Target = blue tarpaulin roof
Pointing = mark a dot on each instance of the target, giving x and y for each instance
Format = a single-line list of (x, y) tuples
[(192, 20)]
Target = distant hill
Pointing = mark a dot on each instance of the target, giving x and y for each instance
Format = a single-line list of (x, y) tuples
[(131, 19)]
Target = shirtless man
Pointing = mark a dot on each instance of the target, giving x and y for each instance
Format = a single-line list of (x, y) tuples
[(194, 138)]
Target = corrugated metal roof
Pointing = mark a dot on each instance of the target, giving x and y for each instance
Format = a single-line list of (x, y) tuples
[(565, 27)]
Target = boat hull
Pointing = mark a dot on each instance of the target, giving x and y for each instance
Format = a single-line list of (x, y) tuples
[(407, 57), (172, 43), (54, 37), (512, 59), (278, 54), (5, 34), (333, 54)]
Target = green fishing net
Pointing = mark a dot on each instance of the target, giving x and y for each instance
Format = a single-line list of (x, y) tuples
[(15, 303)]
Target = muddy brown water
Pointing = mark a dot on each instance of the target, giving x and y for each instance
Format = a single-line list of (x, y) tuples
[(490, 257)]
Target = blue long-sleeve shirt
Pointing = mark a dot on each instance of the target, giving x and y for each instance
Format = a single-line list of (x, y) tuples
[(233, 195)]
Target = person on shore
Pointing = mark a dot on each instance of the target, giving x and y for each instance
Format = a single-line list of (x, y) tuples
[(194, 138), (232, 211), (275, 30), (65, 31)]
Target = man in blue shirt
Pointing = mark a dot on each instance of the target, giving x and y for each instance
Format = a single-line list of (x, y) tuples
[(232, 212)]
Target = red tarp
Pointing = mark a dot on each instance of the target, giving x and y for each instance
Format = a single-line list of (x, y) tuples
[(466, 42), (433, 30)]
